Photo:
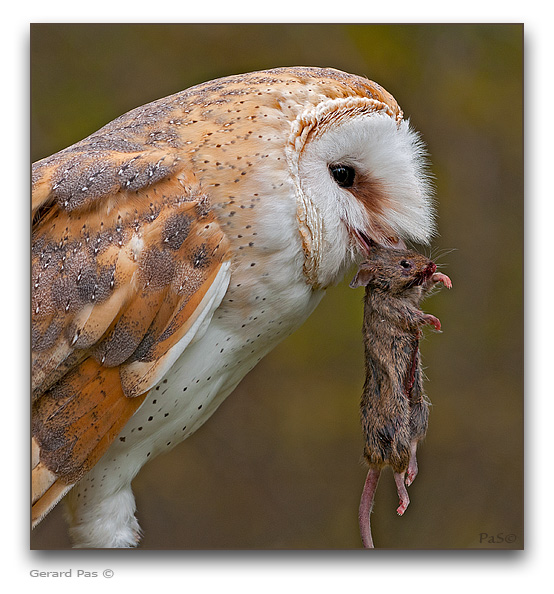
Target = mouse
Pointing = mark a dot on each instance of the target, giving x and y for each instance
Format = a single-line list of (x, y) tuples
[(394, 409)]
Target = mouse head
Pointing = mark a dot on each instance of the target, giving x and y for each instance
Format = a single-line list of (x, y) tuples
[(393, 270)]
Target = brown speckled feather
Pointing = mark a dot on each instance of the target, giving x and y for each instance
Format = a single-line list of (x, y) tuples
[(125, 250)]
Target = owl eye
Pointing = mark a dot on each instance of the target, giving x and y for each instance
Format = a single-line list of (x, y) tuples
[(343, 174), (405, 264)]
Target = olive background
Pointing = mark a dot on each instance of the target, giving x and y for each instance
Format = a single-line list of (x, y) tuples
[(279, 464)]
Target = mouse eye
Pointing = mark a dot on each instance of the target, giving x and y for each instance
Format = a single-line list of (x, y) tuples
[(343, 174), (405, 264)]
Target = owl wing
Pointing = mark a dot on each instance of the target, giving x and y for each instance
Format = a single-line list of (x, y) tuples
[(128, 266)]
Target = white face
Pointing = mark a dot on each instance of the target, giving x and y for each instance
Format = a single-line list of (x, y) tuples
[(363, 176)]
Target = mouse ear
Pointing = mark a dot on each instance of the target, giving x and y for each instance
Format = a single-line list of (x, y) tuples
[(363, 277)]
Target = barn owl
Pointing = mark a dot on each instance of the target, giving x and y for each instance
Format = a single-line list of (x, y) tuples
[(176, 246)]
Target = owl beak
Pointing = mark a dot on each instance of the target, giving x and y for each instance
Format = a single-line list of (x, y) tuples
[(366, 242)]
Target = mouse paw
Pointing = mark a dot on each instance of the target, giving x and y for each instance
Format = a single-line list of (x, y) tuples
[(439, 277), (433, 321)]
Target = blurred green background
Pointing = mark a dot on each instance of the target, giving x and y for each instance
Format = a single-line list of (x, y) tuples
[(279, 465)]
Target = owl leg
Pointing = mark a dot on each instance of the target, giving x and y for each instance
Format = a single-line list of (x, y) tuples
[(102, 517)]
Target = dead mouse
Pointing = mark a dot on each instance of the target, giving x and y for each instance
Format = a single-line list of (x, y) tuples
[(394, 408)]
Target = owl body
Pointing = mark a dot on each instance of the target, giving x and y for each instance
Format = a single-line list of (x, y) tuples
[(207, 226)]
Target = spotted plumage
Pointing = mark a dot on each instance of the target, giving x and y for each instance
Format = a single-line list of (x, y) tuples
[(176, 246)]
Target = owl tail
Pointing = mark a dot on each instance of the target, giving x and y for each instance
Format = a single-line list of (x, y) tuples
[(47, 490)]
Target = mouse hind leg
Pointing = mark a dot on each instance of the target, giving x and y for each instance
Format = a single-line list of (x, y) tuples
[(400, 480), (419, 419)]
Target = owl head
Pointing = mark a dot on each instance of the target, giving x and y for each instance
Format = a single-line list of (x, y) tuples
[(336, 142), (360, 175)]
